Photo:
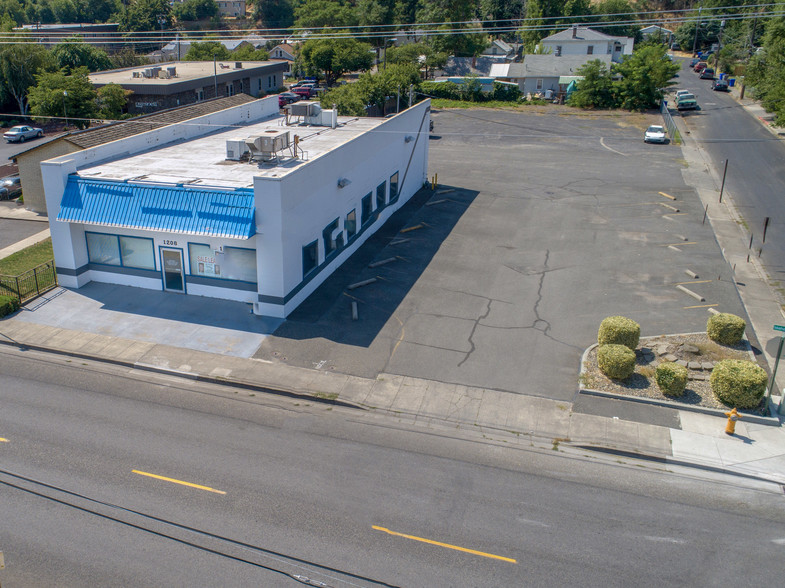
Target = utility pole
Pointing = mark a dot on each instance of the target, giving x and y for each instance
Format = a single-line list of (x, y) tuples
[(697, 24), (65, 110), (215, 75)]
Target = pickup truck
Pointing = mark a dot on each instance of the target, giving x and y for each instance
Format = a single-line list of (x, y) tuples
[(686, 102)]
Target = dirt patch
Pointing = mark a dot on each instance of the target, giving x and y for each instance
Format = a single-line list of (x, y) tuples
[(696, 350)]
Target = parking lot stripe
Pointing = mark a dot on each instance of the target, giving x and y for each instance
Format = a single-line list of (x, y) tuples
[(667, 195), (447, 545)]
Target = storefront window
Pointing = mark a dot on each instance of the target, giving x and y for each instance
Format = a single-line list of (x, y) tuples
[(137, 252), (103, 248), (204, 261), (233, 264)]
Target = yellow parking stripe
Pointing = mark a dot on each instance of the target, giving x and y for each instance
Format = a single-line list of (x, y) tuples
[(3, 440), (190, 484), (447, 545), (700, 306)]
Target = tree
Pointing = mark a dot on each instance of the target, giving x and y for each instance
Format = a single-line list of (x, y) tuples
[(644, 77), (420, 54), (195, 9), (501, 13), (764, 73), (13, 10), (274, 14), (112, 100), (73, 53), (61, 95), (249, 53), (142, 15), (457, 38), (207, 51), (96, 11), (19, 64), (334, 57), (620, 17), (373, 89), (595, 90), (317, 14), (128, 58)]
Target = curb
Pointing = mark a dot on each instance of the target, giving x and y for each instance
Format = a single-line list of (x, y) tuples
[(772, 421), (183, 374)]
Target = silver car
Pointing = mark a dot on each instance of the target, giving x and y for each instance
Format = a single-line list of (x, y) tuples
[(22, 133)]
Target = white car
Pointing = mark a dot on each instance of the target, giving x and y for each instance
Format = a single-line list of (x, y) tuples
[(655, 134), (21, 133), (680, 93)]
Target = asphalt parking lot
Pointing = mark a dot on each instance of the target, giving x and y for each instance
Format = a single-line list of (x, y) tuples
[(542, 226)]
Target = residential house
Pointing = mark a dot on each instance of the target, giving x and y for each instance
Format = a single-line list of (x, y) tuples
[(661, 33), (283, 51), (585, 41), (499, 49), (544, 74)]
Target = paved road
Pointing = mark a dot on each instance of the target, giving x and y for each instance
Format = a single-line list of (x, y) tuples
[(13, 231), (756, 164), (306, 485)]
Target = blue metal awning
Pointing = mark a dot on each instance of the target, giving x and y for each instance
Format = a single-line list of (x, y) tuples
[(174, 209)]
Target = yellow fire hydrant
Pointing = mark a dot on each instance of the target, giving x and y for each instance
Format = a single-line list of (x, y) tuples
[(733, 416)]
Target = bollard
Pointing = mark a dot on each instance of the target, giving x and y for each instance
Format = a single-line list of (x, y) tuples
[(733, 416)]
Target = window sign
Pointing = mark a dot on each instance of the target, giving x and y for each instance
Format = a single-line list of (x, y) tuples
[(233, 264), (204, 261)]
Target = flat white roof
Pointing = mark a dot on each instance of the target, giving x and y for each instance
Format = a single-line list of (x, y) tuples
[(202, 160), (185, 70)]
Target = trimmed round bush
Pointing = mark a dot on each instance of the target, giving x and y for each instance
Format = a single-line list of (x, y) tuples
[(619, 330), (726, 328), (671, 378), (616, 361), (738, 383)]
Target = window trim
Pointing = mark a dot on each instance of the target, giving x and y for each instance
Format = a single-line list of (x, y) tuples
[(314, 243), (397, 177), (119, 250)]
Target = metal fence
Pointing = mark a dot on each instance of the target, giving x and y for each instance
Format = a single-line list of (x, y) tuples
[(30, 284), (670, 124)]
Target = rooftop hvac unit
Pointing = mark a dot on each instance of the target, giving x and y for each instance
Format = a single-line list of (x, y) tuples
[(304, 108), (164, 75), (235, 149), (172, 71), (266, 146), (238, 65), (136, 74)]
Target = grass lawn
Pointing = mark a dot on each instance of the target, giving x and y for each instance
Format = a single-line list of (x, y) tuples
[(26, 259)]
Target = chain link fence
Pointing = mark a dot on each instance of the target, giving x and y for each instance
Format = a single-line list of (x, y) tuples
[(670, 124)]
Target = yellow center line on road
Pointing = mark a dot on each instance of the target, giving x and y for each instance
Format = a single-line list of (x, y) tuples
[(447, 545), (700, 306), (190, 484)]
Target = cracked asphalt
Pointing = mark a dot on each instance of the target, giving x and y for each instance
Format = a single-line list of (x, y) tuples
[(548, 224)]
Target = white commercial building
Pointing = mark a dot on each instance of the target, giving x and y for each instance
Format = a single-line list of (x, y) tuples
[(242, 204)]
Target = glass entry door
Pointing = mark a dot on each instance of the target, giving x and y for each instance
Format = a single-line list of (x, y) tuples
[(172, 264)]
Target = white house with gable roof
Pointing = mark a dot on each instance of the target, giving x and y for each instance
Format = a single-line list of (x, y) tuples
[(242, 204), (585, 41)]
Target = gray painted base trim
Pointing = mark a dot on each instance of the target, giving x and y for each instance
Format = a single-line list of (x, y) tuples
[(67, 271), (219, 283), (126, 271)]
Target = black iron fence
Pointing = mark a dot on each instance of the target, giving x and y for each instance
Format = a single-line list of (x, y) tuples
[(30, 284)]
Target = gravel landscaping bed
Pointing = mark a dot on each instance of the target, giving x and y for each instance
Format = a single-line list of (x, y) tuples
[(695, 351)]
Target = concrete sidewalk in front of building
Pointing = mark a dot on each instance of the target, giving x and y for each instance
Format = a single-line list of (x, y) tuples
[(756, 451)]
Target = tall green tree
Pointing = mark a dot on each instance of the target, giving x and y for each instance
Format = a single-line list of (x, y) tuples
[(645, 75), (765, 71), (207, 51), (456, 37), (335, 57), (69, 96), (419, 54), (540, 15), (317, 14), (595, 90), (142, 15), (194, 9), (19, 64), (111, 101), (249, 53), (12, 10), (618, 18), (273, 14), (73, 53)]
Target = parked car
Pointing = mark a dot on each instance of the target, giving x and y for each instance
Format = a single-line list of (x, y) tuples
[(305, 91), (686, 102), (720, 86), (694, 61), (680, 93), (655, 134), (10, 187), (707, 74), (285, 98), (22, 133), (700, 66)]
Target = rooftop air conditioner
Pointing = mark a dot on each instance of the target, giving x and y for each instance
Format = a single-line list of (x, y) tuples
[(265, 146), (235, 149), (172, 71), (304, 108)]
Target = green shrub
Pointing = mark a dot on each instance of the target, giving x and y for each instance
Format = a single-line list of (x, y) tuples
[(725, 328), (448, 90), (619, 330), (738, 383), (8, 305), (671, 378), (616, 361), (505, 92)]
